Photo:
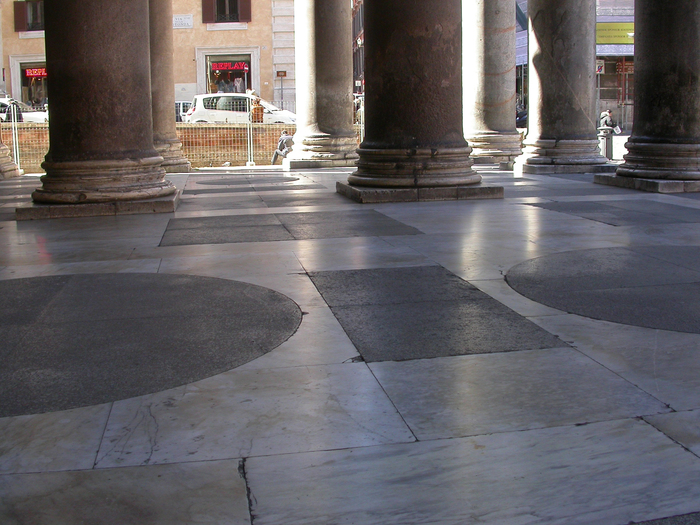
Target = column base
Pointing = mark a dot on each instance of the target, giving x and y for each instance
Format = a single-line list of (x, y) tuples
[(650, 185), (661, 161), (37, 211), (546, 157), (494, 147), (8, 169), (173, 160), (368, 195), (94, 181), (414, 168), (317, 146)]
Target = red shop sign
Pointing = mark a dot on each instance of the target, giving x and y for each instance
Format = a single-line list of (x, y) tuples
[(229, 66), (36, 72)]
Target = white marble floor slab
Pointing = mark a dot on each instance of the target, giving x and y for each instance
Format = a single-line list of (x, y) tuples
[(575, 475), (253, 412), (506, 392), (682, 427), (320, 340), (210, 493), (67, 440), (665, 364)]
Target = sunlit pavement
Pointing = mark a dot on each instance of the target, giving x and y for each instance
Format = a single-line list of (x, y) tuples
[(299, 358)]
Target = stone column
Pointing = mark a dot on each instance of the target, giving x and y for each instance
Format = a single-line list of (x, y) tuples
[(100, 116), (163, 87), (414, 147), (562, 124), (323, 71), (488, 27), (664, 148)]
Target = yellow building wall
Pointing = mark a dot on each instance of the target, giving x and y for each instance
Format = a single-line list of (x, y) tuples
[(257, 34)]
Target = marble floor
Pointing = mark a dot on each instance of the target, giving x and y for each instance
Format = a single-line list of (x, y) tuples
[(419, 387)]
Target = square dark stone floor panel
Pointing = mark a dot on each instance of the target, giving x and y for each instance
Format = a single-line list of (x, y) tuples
[(223, 221), (264, 233), (363, 223), (392, 286), (397, 314), (305, 199), (192, 203), (282, 227), (439, 328), (619, 214)]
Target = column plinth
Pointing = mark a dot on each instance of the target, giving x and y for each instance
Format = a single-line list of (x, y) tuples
[(414, 147), (8, 168), (323, 61), (100, 127), (664, 148), (562, 120), (490, 93)]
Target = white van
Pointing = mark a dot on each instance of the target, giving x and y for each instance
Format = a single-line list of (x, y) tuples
[(234, 108)]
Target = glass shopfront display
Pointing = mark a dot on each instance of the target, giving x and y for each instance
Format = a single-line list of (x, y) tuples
[(228, 73), (34, 82)]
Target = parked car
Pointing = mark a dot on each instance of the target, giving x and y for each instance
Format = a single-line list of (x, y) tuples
[(29, 114), (234, 108), (181, 107)]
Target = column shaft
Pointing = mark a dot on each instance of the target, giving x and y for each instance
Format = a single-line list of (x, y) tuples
[(323, 41), (489, 80), (101, 122), (413, 97), (165, 137), (562, 134), (665, 140)]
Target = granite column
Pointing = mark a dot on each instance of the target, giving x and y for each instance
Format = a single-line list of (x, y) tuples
[(489, 81), (664, 148), (101, 122), (562, 120), (414, 146), (165, 137), (323, 41)]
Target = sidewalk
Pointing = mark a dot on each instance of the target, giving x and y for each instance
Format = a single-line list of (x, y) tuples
[(274, 353)]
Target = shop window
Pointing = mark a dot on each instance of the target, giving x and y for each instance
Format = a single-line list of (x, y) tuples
[(29, 16), (221, 11), (228, 73)]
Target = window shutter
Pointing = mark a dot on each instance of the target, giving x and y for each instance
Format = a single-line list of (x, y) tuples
[(20, 16), (208, 11), (244, 11)]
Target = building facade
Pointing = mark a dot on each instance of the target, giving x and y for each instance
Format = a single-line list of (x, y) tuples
[(225, 45)]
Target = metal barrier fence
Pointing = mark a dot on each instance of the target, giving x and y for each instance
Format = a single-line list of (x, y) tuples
[(204, 145)]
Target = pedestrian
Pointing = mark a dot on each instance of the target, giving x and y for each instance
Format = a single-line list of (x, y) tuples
[(606, 120), (284, 146)]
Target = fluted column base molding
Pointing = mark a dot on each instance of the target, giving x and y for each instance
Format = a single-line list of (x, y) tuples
[(8, 168), (495, 148), (400, 175), (563, 156), (103, 181), (657, 168), (323, 146), (173, 160), (414, 168)]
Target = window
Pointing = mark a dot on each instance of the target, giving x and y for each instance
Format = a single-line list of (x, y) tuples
[(29, 16), (221, 11)]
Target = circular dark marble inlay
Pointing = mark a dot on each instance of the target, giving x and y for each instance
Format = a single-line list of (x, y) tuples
[(78, 340), (649, 286), (247, 180)]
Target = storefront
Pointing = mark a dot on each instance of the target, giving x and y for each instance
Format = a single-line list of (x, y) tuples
[(228, 73), (227, 69), (615, 70), (33, 80)]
